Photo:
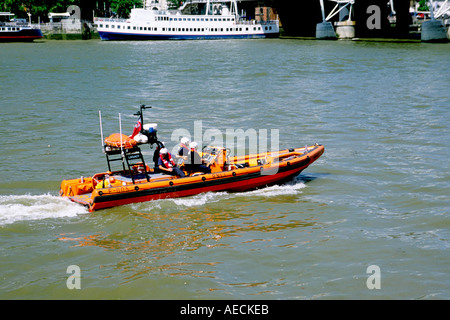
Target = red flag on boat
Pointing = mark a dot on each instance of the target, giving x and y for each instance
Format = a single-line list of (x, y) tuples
[(137, 129)]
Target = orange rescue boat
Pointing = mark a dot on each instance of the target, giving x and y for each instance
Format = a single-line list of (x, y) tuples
[(137, 182)]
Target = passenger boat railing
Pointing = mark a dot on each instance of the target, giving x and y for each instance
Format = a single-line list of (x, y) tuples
[(109, 19)]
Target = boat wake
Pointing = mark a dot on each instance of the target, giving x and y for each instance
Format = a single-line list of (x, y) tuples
[(15, 208), (291, 188)]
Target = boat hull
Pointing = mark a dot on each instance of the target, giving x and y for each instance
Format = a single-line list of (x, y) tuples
[(114, 36), (248, 181)]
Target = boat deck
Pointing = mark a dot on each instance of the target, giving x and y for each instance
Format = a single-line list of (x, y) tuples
[(83, 199), (141, 177), (86, 198)]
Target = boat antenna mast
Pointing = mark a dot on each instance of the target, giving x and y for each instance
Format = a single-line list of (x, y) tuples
[(151, 135), (101, 130), (140, 114)]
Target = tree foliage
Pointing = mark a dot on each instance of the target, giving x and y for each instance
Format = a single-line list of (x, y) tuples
[(423, 5), (175, 3), (41, 8), (123, 7)]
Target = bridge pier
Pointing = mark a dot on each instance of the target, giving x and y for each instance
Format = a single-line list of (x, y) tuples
[(324, 29), (433, 30)]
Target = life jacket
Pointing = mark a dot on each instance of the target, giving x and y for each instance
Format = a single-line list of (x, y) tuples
[(182, 149), (167, 164), (120, 141), (194, 157)]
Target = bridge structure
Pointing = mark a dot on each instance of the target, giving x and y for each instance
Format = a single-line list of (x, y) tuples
[(371, 18)]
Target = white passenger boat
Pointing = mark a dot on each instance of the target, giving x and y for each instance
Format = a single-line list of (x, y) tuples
[(197, 19)]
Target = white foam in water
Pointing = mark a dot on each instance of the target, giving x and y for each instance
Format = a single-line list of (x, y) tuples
[(35, 207), (276, 190), (199, 200), (272, 191)]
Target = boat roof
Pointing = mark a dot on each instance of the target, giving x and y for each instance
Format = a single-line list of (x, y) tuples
[(64, 14), (6, 14)]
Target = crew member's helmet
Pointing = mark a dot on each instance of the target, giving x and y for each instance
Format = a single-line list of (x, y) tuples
[(184, 140), (193, 145)]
